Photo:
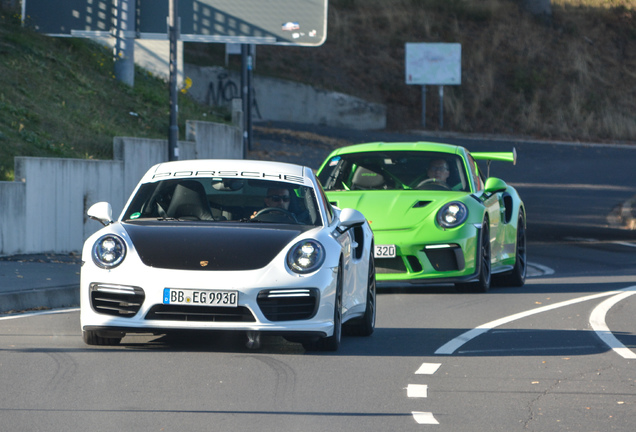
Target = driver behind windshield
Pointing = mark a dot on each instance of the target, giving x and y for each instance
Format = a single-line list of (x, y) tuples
[(438, 170), (276, 198)]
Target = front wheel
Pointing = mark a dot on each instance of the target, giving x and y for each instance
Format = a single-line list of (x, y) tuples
[(331, 343), (481, 285), (517, 277), (365, 325)]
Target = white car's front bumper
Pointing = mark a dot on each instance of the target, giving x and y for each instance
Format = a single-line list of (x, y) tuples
[(129, 298)]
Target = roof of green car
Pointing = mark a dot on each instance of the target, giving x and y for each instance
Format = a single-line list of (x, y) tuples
[(398, 146)]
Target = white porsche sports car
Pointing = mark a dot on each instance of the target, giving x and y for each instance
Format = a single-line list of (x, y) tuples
[(233, 245)]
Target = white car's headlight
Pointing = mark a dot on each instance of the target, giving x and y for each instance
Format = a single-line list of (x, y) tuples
[(452, 214), (109, 251), (306, 256)]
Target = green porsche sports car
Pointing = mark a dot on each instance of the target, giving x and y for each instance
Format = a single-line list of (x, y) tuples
[(436, 216)]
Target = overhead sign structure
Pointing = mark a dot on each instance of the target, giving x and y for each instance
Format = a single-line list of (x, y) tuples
[(57, 18), (433, 63), (270, 22)]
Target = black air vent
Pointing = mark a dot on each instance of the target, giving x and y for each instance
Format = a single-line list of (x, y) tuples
[(420, 204), (390, 265), (116, 300), (288, 305), (200, 313)]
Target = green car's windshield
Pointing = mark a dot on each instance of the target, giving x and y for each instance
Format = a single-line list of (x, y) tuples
[(395, 170), (225, 200)]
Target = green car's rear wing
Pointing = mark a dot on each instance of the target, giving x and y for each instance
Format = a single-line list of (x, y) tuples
[(498, 156)]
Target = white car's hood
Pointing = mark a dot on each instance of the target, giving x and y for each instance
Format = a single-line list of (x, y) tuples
[(204, 246)]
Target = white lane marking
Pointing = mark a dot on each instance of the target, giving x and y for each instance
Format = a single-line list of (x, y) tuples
[(424, 417), (530, 350), (546, 270), (454, 344), (428, 368), (625, 243), (597, 321), (30, 314), (417, 391)]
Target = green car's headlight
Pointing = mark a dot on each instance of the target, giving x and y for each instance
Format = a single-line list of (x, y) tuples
[(306, 256), (109, 251), (452, 214)]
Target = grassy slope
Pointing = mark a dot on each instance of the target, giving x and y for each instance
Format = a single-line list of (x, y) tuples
[(58, 97), (572, 78)]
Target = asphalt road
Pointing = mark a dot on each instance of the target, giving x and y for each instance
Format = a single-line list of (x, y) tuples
[(555, 355)]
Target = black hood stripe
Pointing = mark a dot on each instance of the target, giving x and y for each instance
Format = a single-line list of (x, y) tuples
[(206, 246)]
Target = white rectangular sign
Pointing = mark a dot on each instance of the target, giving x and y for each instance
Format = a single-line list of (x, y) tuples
[(433, 63)]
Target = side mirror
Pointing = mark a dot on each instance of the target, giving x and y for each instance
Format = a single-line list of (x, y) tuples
[(350, 218), (494, 185), (101, 212)]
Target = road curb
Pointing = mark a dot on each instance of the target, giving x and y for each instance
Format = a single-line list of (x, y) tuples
[(50, 297)]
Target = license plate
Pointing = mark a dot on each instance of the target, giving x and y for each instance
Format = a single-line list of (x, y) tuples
[(174, 296), (384, 251)]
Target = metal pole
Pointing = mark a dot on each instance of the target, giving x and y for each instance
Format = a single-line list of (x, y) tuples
[(441, 107), (250, 99), (424, 106), (173, 36), (244, 93), (124, 49)]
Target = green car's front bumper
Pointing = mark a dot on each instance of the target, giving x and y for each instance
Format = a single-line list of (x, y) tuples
[(447, 257)]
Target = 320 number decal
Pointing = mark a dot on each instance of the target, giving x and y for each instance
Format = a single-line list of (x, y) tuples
[(384, 251)]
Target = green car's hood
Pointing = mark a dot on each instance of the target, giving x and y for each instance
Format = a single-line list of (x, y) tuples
[(394, 209)]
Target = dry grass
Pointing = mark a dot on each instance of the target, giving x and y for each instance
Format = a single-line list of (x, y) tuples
[(571, 77)]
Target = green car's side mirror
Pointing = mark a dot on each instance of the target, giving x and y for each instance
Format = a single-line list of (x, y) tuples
[(494, 185)]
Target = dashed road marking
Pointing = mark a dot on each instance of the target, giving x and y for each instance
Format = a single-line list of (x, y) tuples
[(417, 391), (428, 368), (424, 417), (421, 391)]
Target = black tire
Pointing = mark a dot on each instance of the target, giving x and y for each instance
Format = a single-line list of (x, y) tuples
[(365, 325), (331, 343), (517, 277), (482, 285), (93, 338)]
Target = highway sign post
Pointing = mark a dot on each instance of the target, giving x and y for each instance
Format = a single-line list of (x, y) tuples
[(433, 64)]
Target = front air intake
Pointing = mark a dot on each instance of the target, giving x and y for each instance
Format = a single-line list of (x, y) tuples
[(288, 304), (117, 300), (163, 312)]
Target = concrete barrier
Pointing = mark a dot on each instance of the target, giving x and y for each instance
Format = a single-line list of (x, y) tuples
[(12, 214), (281, 100)]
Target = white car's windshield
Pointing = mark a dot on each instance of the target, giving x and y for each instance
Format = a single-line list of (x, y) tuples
[(395, 170), (225, 199)]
